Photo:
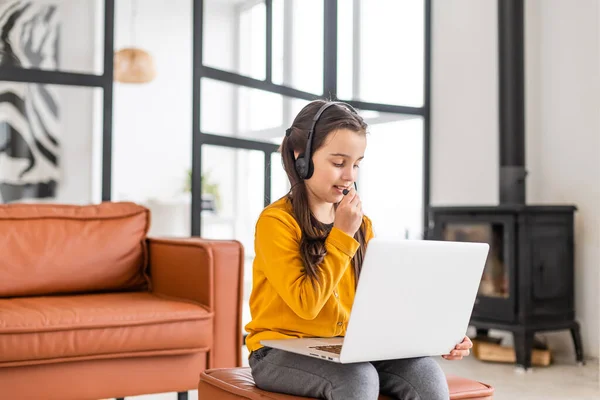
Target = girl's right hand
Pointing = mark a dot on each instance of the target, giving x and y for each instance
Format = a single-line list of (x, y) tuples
[(348, 215)]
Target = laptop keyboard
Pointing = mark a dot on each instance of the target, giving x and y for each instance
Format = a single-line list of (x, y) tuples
[(335, 349)]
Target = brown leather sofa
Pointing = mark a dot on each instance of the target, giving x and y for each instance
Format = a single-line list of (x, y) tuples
[(91, 308), (237, 383)]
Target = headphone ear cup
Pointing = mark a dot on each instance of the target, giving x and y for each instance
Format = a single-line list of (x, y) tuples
[(301, 167), (310, 168)]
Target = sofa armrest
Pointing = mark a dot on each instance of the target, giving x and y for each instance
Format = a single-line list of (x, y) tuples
[(208, 272)]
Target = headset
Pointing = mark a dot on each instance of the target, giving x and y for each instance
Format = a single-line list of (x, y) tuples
[(304, 165)]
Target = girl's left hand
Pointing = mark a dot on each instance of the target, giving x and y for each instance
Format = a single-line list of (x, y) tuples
[(460, 350)]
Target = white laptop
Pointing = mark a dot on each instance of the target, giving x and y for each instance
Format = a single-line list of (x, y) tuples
[(414, 298)]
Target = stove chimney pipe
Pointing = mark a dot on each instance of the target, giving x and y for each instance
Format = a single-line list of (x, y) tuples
[(511, 101)]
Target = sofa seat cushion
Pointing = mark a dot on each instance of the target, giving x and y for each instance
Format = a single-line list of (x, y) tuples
[(237, 383), (41, 330)]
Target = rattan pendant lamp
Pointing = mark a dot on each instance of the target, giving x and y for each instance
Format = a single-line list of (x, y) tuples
[(132, 64)]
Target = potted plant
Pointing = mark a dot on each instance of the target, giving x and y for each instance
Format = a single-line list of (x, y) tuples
[(211, 197)]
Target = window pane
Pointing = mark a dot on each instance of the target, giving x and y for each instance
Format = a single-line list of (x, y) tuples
[(260, 114), (46, 153), (235, 36), (390, 179), (346, 49), (62, 35), (232, 110), (381, 51), (235, 179), (298, 44)]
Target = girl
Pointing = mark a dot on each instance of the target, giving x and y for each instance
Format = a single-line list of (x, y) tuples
[(309, 250)]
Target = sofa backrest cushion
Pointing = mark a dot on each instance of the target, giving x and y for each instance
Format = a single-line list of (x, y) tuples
[(53, 249)]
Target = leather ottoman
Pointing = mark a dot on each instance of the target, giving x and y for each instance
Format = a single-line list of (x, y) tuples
[(237, 383)]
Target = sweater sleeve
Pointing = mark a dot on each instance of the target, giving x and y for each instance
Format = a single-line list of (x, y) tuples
[(369, 234), (277, 243)]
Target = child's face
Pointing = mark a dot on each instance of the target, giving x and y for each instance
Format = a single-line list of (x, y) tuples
[(336, 164)]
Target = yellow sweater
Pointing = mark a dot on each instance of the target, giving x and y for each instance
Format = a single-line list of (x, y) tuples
[(283, 302)]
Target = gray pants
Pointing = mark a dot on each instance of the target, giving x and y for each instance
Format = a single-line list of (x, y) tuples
[(407, 379)]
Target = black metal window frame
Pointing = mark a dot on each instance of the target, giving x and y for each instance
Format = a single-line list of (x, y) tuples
[(200, 138), (199, 71)]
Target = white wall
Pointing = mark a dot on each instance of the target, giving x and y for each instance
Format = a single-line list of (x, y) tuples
[(464, 124), (564, 136), (563, 124)]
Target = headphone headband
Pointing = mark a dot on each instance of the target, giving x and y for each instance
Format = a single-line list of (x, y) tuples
[(304, 165)]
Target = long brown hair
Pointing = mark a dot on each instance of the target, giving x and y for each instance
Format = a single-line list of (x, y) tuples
[(314, 233)]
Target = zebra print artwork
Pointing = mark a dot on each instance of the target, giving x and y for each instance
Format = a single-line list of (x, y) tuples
[(29, 113)]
